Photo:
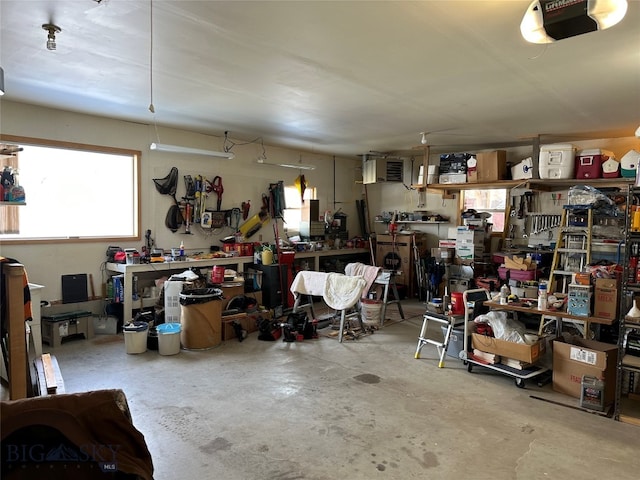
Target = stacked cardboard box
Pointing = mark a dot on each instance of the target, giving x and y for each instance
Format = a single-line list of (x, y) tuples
[(469, 245)]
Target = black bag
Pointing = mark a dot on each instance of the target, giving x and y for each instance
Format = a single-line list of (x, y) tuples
[(299, 322), (267, 329)]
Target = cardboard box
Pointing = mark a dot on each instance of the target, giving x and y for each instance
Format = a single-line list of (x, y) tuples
[(452, 178), (606, 298), (248, 322), (469, 251), (525, 292), (584, 357), (445, 254), (492, 166), (446, 244), (470, 237), (230, 290), (519, 351)]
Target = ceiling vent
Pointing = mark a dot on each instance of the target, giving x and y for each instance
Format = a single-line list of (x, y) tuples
[(382, 170)]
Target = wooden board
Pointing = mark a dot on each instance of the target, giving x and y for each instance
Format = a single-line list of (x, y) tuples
[(41, 384), (49, 374)]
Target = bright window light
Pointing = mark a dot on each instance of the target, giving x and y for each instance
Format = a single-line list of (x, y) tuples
[(75, 194)]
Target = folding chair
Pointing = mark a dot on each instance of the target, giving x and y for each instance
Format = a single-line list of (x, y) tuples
[(342, 292)]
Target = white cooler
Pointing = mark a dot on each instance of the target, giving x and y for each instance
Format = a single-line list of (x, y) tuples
[(557, 161)]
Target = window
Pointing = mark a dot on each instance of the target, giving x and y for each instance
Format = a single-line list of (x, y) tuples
[(491, 201), (293, 213), (73, 192)]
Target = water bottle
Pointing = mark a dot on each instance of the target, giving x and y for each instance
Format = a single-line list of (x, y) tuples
[(542, 296), (504, 294)]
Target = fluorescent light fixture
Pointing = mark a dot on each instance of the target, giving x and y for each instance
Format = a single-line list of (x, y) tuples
[(161, 147), (546, 21), (1, 81), (299, 166)]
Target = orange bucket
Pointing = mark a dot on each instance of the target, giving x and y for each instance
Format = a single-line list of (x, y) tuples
[(457, 303)]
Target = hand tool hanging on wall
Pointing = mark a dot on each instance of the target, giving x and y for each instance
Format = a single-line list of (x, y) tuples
[(219, 190), (234, 219), (276, 199), (521, 207), (187, 217), (513, 212), (196, 199), (301, 185), (251, 226), (246, 206)]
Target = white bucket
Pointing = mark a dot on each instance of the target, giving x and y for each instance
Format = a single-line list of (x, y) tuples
[(135, 337), (168, 338), (371, 311)]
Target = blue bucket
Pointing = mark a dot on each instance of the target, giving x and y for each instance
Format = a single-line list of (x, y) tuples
[(168, 338), (165, 328)]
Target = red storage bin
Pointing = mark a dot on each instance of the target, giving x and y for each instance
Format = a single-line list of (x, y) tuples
[(521, 275)]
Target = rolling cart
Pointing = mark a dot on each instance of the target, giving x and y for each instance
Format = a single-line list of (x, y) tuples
[(473, 302)]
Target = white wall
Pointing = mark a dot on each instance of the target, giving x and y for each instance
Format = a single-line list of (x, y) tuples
[(243, 179)]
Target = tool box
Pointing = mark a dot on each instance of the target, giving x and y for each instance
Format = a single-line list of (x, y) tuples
[(60, 326)]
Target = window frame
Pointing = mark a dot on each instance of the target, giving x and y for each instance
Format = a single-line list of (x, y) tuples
[(40, 142), (507, 200)]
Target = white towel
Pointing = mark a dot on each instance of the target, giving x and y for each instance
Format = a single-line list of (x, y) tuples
[(342, 291), (307, 282), (368, 272)]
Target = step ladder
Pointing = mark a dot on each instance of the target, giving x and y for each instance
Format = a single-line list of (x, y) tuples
[(450, 321), (573, 245)]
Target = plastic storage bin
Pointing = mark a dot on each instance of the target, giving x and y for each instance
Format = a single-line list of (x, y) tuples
[(168, 338), (135, 337)]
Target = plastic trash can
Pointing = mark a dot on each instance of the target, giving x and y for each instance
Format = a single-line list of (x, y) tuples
[(168, 338), (135, 337), (201, 318)]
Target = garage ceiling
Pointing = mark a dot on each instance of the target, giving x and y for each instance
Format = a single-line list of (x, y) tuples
[(341, 78)]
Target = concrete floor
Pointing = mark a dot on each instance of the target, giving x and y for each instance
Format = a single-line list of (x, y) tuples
[(362, 409)]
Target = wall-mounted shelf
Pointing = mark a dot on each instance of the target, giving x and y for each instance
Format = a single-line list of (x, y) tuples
[(532, 184), (15, 204), (419, 222)]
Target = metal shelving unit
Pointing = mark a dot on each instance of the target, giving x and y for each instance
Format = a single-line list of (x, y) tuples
[(627, 401)]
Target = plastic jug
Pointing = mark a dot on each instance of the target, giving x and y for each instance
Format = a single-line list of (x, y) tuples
[(267, 256)]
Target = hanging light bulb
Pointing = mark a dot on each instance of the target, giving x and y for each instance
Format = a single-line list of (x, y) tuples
[(423, 139), (51, 38)]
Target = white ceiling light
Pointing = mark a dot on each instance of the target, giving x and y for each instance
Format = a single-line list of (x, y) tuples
[(546, 21), (51, 37), (299, 166), (161, 147), (423, 138)]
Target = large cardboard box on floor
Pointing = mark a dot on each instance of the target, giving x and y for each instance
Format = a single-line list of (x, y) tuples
[(606, 298), (491, 166), (525, 352), (578, 357), (248, 321)]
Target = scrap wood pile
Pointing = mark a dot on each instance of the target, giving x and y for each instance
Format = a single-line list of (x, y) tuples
[(519, 263)]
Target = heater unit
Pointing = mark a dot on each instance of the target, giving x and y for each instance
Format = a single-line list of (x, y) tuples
[(382, 170)]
